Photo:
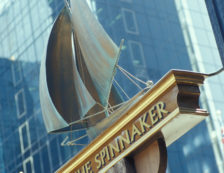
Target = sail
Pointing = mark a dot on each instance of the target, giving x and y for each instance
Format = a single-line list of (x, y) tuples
[(64, 98), (99, 52)]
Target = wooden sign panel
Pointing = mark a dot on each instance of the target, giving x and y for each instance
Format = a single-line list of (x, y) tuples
[(170, 107)]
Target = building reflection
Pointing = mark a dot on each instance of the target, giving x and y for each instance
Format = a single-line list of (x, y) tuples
[(156, 40)]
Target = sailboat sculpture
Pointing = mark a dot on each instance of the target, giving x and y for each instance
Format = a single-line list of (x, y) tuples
[(77, 92), (77, 73)]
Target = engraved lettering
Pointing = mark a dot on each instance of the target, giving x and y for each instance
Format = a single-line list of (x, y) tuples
[(114, 148), (135, 131), (161, 109), (107, 153), (88, 167), (98, 161), (143, 123), (126, 139), (102, 156), (153, 115)]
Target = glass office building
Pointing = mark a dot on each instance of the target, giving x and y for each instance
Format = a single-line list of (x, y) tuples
[(159, 35), (216, 14)]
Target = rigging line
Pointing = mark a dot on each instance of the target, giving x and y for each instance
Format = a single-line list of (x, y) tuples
[(90, 116), (81, 137), (104, 108), (119, 67), (74, 144), (130, 78), (109, 111), (68, 7), (121, 89), (73, 141), (110, 108), (128, 75), (119, 104)]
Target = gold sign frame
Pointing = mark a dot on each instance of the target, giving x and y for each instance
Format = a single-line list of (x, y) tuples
[(171, 107)]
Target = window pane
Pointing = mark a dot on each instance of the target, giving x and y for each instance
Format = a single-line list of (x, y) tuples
[(16, 72), (130, 21), (28, 167), (137, 53), (20, 103), (25, 137)]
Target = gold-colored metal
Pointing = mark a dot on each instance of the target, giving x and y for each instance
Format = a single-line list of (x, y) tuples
[(169, 90)]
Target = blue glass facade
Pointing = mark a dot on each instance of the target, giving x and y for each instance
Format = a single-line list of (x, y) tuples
[(155, 42), (25, 144), (216, 14)]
